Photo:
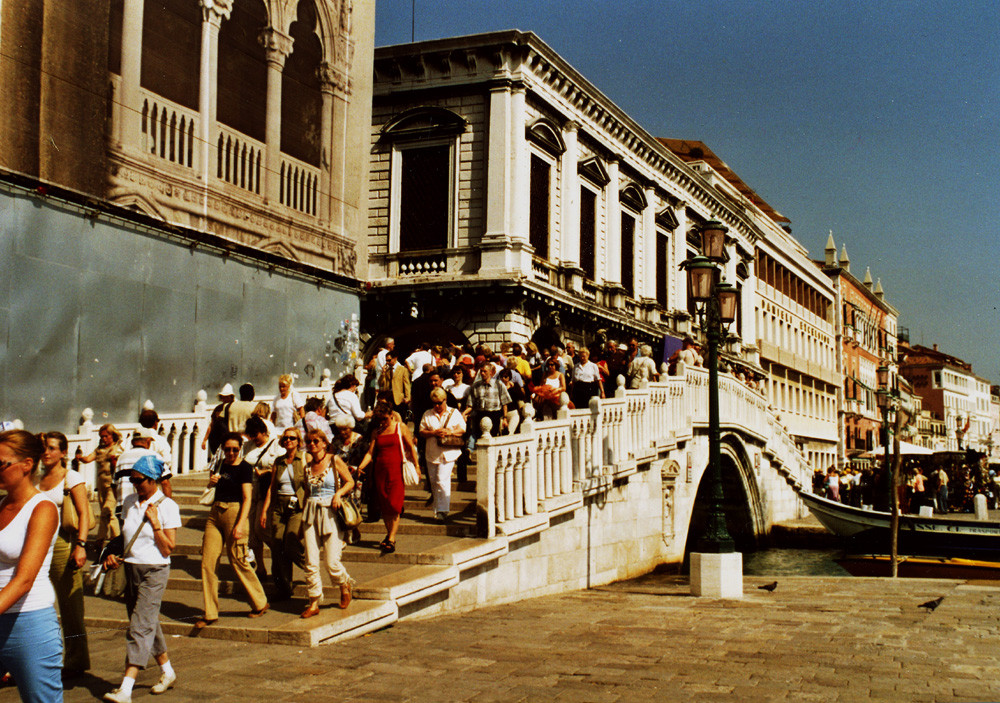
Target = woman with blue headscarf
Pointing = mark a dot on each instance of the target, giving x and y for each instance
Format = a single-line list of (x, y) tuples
[(149, 526)]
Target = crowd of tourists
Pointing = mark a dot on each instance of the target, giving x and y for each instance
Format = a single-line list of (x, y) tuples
[(297, 475), (944, 487)]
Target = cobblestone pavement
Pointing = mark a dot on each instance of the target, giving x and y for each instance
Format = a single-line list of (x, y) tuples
[(824, 639)]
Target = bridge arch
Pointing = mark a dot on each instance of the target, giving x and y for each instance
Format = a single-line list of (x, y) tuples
[(743, 507)]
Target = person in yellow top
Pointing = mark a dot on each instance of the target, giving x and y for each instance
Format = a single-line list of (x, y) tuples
[(523, 367)]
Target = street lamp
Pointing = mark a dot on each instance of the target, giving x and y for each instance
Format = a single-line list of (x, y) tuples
[(888, 401), (716, 564)]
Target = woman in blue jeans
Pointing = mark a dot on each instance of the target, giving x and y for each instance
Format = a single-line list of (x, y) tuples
[(30, 640)]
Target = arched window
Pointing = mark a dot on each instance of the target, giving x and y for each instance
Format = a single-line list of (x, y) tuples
[(242, 76), (423, 144), (301, 98)]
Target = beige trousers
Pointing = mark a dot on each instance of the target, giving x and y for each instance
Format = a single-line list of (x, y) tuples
[(219, 533)]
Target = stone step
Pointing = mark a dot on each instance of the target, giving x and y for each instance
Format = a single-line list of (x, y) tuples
[(280, 625)]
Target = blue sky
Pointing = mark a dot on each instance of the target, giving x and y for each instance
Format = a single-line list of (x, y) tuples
[(877, 120)]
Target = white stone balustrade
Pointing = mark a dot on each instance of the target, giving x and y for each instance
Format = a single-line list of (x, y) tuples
[(550, 464), (184, 431)]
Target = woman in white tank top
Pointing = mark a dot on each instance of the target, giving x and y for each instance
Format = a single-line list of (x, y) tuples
[(30, 640)]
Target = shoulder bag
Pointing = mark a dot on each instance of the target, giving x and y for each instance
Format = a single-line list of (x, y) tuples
[(451, 440), (208, 496), (70, 519), (411, 477)]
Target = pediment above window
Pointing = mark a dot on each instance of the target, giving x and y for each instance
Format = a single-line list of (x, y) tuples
[(546, 136), (593, 170), (633, 197), (424, 122), (667, 219)]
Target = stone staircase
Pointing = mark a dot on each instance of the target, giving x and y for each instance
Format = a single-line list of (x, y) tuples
[(428, 561)]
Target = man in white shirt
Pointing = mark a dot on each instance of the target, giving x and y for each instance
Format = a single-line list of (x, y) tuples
[(417, 359), (150, 420)]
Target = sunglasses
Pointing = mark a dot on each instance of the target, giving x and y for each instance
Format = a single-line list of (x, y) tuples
[(288, 439), (230, 450), (136, 480), (315, 441)]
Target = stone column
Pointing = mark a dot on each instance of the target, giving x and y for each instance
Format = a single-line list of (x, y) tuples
[(333, 131), (647, 285), (678, 299), (278, 46), (613, 235), (502, 248), (128, 104), (212, 12), (569, 229)]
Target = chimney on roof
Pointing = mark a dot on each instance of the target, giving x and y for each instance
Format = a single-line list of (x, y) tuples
[(845, 260), (831, 251), (868, 278), (879, 293), (935, 347)]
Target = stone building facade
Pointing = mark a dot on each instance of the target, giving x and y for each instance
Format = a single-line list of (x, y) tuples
[(866, 329), (241, 118), (199, 168)]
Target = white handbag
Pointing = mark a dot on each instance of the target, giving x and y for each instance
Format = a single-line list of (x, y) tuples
[(411, 477)]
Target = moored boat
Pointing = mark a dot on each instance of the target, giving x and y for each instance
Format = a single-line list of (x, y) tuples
[(869, 531), (927, 567)]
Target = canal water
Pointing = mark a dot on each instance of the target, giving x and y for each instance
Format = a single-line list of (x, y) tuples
[(793, 562)]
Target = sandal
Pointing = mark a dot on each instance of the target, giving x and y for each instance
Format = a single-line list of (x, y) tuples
[(346, 593), (202, 623), (312, 610), (386, 546)]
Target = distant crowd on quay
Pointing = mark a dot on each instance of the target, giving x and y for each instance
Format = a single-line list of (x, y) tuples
[(947, 483)]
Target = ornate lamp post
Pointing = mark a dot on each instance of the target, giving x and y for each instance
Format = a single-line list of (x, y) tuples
[(889, 402), (717, 568)]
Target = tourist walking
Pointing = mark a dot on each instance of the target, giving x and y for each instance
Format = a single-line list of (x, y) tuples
[(442, 428), (109, 448), (260, 451), (391, 442), (64, 486), (327, 482), (281, 513), (350, 446), (228, 526), (586, 381), (149, 527), (30, 643), (288, 406)]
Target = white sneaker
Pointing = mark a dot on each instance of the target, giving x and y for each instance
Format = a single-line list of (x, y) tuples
[(165, 682), (118, 696)]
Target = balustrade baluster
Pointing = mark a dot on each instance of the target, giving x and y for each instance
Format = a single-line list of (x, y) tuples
[(508, 484), (518, 491)]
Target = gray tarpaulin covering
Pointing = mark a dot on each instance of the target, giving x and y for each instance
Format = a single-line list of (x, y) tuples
[(101, 314)]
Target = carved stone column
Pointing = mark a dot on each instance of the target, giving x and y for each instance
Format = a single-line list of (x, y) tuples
[(212, 13), (613, 234), (278, 46), (570, 187), (129, 110), (333, 159), (648, 263)]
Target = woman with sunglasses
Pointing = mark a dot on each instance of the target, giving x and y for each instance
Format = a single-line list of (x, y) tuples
[(548, 393), (30, 641), (328, 480), (443, 428), (229, 526), (149, 527), (60, 484), (281, 514)]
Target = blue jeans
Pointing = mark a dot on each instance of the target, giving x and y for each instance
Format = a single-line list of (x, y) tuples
[(31, 650)]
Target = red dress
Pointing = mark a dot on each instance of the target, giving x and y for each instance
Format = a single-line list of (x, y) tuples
[(389, 472)]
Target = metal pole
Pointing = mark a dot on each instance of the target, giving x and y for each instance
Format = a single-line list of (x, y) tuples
[(894, 546), (717, 539)]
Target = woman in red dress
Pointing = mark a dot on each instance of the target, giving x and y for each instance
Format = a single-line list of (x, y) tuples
[(390, 438)]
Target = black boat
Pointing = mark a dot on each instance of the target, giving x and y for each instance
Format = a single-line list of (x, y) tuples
[(869, 531)]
